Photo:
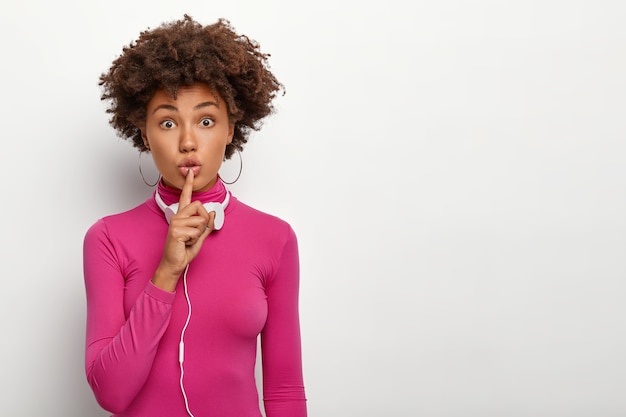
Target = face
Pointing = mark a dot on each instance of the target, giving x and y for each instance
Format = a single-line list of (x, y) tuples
[(189, 132)]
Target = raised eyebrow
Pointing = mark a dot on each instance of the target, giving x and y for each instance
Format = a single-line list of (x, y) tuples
[(165, 107), (206, 104), (196, 107)]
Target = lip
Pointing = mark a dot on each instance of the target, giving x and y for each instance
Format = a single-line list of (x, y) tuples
[(187, 164)]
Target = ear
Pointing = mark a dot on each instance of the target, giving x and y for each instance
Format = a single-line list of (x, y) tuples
[(146, 142), (231, 133)]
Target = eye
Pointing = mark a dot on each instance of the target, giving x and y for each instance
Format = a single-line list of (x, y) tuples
[(167, 124), (206, 122)]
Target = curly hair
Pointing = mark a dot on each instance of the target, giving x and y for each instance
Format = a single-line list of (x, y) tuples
[(184, 52)]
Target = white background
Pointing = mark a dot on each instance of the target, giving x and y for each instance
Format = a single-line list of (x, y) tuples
[(454, 171)]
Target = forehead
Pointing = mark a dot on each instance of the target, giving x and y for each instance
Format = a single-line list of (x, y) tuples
[(187, 95)]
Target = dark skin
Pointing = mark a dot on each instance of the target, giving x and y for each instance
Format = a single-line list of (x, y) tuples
[(188, 229), (187, 137), (166, 58)]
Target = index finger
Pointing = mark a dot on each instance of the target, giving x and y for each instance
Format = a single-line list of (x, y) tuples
[(185, 195)]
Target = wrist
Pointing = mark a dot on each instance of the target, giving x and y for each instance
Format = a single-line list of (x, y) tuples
[(165, 280)]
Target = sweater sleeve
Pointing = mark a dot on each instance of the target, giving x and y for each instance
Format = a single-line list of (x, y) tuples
[(283, 387), (119, 350)]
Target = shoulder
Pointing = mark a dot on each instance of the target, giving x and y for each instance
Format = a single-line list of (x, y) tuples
[(120, 223), (261, 224), (259, 218)]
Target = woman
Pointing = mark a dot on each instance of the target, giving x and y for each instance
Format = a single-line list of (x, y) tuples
[(179, 287)]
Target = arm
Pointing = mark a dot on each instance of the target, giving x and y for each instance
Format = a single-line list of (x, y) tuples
[(119, 350), (283, 387)]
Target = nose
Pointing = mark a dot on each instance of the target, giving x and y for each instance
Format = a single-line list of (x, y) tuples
[(188, 141)]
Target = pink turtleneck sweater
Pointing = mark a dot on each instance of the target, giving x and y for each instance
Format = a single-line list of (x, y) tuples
[(244, 282)]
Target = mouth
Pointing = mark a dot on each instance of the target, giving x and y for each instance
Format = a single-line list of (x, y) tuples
[(188, 164)]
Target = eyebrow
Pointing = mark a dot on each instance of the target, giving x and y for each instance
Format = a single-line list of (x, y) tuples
[(196, 107)]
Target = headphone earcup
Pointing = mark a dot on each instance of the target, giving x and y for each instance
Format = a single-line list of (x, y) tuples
[(170, 211), (218, 222)]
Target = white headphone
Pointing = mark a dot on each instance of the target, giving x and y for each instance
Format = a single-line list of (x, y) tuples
[(218, 208), (218, 222)]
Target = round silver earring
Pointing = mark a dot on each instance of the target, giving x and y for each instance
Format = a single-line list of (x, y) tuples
[(142, 177), (240, 169)]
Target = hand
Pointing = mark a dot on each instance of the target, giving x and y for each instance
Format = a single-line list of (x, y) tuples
[(188, 229)]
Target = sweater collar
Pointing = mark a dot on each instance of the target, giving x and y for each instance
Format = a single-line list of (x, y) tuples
[(217, 193)]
